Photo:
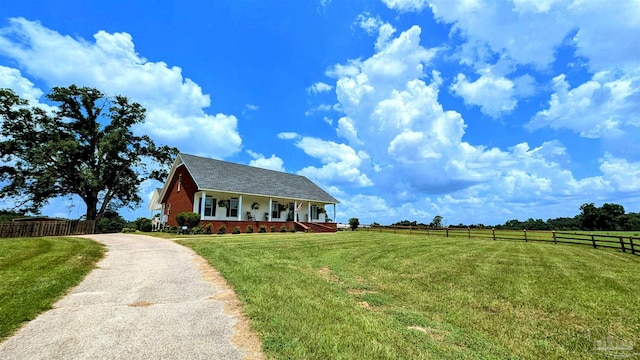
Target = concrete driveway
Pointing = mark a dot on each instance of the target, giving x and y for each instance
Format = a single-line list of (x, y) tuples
[(148, 298)]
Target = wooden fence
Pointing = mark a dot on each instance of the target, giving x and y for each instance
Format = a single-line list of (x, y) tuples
[(625, 243), (15, 229)]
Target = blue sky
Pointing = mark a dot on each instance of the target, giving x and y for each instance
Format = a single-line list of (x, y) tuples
[(478, 111)]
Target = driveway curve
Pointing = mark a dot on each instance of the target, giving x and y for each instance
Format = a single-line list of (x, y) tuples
[(149, 298)]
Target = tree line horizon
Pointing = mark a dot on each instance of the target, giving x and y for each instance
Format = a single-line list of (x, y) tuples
[(608, 217)]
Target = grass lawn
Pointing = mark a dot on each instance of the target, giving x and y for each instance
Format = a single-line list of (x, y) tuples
[(35, 272), (357, 295)]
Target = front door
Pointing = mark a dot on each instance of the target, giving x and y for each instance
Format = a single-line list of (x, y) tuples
[(290, 212)]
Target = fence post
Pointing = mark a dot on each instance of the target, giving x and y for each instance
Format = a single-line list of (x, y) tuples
[(622, 244), (409, 229), (525, 235), (447, 230), (493, 231), (633, 249), (394, 229), (593, 240), (554, 237), (428, 232), (468, 232)]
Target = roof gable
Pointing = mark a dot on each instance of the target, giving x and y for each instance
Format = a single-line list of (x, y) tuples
[(155, 204), (218, 175)]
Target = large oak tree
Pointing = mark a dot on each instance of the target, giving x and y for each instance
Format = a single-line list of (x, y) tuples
[(86, 147)]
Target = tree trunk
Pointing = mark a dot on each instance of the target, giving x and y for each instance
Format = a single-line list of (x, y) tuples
[(92, 204), (103, 207)]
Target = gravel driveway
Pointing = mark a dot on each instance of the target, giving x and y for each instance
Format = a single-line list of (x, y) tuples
[(149, 298)]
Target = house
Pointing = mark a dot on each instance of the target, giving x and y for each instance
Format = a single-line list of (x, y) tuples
[(236, 195)]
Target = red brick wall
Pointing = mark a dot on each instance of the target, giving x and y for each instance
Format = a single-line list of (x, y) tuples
[(180, 201), (216, 224), (230, 225)]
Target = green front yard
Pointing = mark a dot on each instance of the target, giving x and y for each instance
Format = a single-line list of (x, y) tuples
[(357, 295), (35, 272)]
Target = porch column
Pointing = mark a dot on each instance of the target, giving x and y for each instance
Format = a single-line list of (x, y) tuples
[(308, 211), (240, 208), (335, 220), (270, 207), (295, 210), (203, 198)]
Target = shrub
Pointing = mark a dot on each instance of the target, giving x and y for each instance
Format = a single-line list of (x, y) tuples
[(249, 229), (111, 222), (236, 230), (273, 228), (293, 229), (262, 229), (188, 219), (207, 229), (354, 222), (196, 230), (283, 229), (143, 224), (128, 230), (222, 230)]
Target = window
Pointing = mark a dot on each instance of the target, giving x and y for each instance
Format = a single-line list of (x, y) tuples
[(179, 182), (275, 210), (232, 210), (314, 212), (209, 206)]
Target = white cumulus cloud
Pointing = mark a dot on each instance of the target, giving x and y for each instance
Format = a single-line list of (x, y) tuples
[(606, 105), (175, 105), (529, 31), (288, 135), (272, 163), (495, 96), (319, 87), (319, 108), (407, 5), (417, 155), (341, 163), (12, 79)]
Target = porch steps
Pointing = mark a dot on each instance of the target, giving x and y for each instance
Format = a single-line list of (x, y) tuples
[(325, 227), (303, 226), (315, 227)]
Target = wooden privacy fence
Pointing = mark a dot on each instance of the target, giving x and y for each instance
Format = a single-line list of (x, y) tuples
[(625, 243), (45, 228)]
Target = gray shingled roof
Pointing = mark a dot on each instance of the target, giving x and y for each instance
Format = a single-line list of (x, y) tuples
[(218, 175)]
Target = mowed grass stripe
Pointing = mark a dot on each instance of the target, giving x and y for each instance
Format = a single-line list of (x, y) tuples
[(381, 295), (35, 272)]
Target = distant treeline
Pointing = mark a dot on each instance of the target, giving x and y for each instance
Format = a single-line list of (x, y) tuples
[(8, 215), (609, 217)]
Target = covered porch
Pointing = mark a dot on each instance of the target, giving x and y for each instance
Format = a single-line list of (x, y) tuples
[(242, 210)]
